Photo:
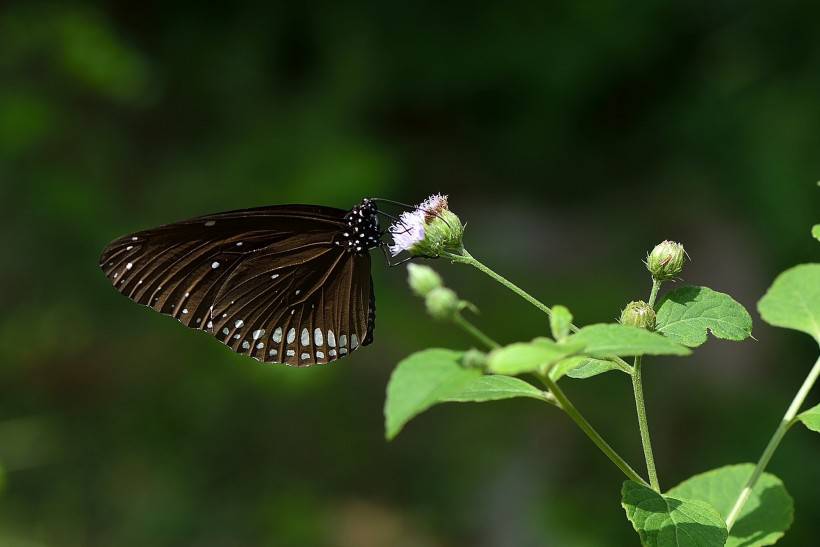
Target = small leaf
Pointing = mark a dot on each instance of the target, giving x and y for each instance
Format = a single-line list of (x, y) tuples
[(763, 520), (493, 387), (419, 382), (811, 418), (793, 300), (523, 357), (668, 521), (606, 340), (592, 367), (815, 231), (687, 314)]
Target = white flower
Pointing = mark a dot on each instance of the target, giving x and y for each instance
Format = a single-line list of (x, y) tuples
[(428, 230), (407, 232)]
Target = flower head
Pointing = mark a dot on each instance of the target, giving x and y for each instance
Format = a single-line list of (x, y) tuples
[(666, 260), (428, 230)]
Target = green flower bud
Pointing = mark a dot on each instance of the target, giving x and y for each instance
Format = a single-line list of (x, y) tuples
[(423, 279), (474, 358), (429, 230), (560, 320), (442, 303), (638, 314), (666, 260)]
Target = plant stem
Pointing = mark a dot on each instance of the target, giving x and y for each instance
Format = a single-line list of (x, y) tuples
[(643, 425), (466, 258), (788, 420), (640, 405), (471, 329), (653, 294), (590, 431)]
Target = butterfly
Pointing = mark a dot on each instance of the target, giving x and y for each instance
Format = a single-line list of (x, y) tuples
[(284, 284)]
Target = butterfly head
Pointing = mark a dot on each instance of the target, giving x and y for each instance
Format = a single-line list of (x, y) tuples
[(361, 231)]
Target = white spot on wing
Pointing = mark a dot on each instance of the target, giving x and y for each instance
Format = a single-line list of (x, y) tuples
[(305, 356), (354, 341), (129, 265), (318, 339), (226, 331), (332, 353), (342, 340), (290, 353), (246, 345), (260, 345), (331, 339), (259, 333), (272, 352), (215, 265), (291, 335), (210, 223), (239, 323), (320, 355), (277, 335), (305, 338)]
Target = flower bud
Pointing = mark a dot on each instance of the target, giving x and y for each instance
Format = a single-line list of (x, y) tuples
[(560, 321), (666, 260), (442, 303), (474, 358), (638, 314), (423, 279), (429, 230)]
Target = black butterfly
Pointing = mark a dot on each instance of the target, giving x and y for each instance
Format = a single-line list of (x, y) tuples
[(283, 284)]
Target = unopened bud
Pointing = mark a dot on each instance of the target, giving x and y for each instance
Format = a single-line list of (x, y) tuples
[(666, 260), (638, 314), (442, 303), (423, 279), (560, 321), (474, 358)]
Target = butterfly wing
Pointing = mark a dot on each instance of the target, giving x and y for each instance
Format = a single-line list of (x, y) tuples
[(237, 274)]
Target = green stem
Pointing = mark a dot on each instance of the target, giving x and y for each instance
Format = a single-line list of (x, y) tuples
[(590, 431), (466, 258), (640, 405), (653, 294), (788, 420), (643, 425), (471, 329)]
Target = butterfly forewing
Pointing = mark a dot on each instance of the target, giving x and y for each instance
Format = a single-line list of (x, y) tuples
[(274, 283)]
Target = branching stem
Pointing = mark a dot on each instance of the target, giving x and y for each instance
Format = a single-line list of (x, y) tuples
[(788, 420)]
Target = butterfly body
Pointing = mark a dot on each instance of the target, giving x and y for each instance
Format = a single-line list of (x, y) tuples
[(284, 284)]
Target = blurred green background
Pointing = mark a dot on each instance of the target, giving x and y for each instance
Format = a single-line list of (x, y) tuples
[(572, 137)]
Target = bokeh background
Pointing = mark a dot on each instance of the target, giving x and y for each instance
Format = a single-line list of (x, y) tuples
[(571, 137)]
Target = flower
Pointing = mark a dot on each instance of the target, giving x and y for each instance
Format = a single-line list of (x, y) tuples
[(428, 230)]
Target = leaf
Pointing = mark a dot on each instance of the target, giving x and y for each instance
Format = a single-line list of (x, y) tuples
[(434, 376), (763, 520), (793, 300), (815, 231), (493, 387), (523, 357), (420, 381), (592, 367), (606, 340), (811, 418), (581, 367), (663, 521), (687, 314)]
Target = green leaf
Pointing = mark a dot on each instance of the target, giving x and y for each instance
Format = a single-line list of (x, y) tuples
[(763, 520), (687, 314), (560, 321), (606, 340), (523, 357), (793, 300), (494, 387), (420, 381), (434, 376), (663, 521), (811, 418), (581, 367), (815, 231), (592, 367)]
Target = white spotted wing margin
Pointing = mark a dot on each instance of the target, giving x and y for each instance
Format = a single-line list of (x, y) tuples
[(269, 282)]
